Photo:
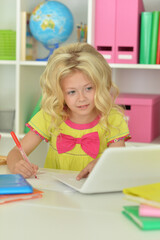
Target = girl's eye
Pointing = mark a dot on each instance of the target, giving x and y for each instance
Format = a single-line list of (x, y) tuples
[(89, 88), (71, 92)]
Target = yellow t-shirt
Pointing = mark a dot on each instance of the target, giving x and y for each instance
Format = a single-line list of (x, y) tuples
[(76, 159)]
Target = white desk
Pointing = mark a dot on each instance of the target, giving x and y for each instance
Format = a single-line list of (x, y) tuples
[(67, 215)]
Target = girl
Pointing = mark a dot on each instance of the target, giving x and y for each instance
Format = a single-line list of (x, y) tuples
[(78, 117)]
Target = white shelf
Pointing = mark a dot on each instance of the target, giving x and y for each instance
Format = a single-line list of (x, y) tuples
[(33, 63), (135, 66), (5, 135), (7, 62), (112, 65)]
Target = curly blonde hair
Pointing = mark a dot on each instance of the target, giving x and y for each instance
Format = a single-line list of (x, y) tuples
[(65, 61)]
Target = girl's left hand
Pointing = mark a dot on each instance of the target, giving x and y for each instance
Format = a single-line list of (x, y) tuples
[(86, 171)]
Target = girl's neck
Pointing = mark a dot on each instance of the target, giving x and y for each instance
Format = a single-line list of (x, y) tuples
[(83, 119)]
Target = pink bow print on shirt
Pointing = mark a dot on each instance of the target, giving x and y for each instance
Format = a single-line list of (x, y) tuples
[(89, 143)]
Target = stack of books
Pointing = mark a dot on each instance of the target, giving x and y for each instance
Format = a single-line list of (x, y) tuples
[(13, 187), (28, 42), (146, 214), (150, 38)]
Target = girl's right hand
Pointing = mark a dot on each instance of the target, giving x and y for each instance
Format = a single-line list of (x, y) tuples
[(86, 171), (25, 169)]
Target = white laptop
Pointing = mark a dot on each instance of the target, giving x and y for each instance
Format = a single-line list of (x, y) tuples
[(118, 168)]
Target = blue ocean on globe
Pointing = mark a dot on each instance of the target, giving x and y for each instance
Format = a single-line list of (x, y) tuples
[(51, 23)]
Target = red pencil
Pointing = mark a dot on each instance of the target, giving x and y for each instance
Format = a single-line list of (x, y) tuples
[(20, 148)]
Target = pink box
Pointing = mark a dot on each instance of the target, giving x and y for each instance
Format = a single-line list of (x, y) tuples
[(127, 30), (143, 114), (105, 17)]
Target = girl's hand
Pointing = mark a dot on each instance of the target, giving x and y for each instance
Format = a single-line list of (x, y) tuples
[(86, 171), (25, 169)]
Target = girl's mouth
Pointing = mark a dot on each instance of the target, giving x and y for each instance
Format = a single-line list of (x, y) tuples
[(83, 106)]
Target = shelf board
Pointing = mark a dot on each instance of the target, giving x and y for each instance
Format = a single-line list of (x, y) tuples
[(112, 65), (135, 66), (7, 62), (5, 135), (33, 63)]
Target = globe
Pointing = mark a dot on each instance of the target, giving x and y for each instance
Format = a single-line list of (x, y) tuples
[(51, 23)]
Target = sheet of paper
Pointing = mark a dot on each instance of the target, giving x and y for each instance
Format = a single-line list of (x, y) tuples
[(45, 180)]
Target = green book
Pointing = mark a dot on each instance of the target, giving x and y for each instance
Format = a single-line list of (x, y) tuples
[(154, 37), (145, 223), (36, 109), (145, 37)]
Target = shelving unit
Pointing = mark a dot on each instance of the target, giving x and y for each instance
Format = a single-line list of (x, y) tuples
[(20, 89)]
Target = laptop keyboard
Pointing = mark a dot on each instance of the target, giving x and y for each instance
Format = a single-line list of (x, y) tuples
[(69, 178)]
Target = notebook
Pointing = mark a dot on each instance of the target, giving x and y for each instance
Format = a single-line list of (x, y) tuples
[(117, 168), (145, 194), (145, 223), (14, 184), (8, 198)]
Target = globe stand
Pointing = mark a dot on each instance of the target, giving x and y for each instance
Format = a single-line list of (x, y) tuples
[(51, 50)]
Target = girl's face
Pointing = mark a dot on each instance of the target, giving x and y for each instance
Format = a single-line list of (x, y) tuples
[(79, 94)]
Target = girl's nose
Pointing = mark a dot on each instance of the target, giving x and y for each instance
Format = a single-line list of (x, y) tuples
[(81, 96)]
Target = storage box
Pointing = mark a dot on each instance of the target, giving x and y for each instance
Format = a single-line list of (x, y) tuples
[(7, 45), (7, 121), (143, 114)]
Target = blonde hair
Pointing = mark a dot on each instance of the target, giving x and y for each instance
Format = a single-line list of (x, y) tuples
[(65, 61)]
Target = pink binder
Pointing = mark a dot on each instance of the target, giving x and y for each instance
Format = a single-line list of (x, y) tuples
[(105, 19), (149, 211), (127, 30)]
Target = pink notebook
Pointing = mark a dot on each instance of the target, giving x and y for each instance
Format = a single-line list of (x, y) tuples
[(148, 211)]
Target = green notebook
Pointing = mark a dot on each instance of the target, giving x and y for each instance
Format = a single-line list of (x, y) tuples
[(145, 223), (145, 37), (154, 37)]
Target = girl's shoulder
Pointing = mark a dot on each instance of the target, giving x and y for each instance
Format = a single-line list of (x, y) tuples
[(116, 116), (41, 116)]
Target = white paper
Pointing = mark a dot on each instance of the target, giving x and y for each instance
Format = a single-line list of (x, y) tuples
[(45, 180)]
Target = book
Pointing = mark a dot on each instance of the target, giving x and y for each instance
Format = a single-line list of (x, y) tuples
[(8, 198), (145, 37), (147, 194), (149, 211), (14, 184), (144, 223), (28, 42), (158, 45), (154, 37)]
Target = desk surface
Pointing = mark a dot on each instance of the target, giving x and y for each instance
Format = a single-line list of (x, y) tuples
[(63, 214)]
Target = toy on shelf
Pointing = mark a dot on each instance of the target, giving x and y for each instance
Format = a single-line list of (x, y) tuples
[(51, 23)]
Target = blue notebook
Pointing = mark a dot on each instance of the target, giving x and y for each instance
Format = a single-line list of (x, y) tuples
[(14, 184)]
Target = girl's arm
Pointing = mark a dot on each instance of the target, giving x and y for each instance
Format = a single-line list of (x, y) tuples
[(85, 172), (15, 161), (120, 143)]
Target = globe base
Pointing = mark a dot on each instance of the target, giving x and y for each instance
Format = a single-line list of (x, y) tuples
[(51, 50)]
